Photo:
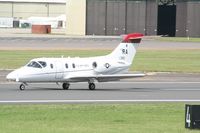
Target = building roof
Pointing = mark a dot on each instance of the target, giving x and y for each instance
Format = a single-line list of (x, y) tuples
[(35, 1)]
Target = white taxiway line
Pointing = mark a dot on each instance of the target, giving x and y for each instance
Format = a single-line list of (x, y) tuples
[(96, 101)]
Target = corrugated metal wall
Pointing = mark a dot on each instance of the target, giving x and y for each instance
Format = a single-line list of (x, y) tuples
[(181, 18), (24, 10), (193, 18), (136, 16), (6, 10), (115, 17), (151, 17), (95, 17)]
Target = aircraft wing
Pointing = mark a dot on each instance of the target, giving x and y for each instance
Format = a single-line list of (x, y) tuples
[(105, 78)]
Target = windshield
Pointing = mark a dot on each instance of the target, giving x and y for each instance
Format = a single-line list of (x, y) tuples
[(34, 64), (44, 64)]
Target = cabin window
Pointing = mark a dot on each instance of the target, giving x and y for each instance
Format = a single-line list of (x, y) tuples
[(66, 65), (34, 64), (73, 65), (44, 64), (51, 65), (94, 64)]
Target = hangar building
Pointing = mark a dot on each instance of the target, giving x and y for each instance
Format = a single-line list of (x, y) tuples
[(22, 9), (150, 17), (114, 17)]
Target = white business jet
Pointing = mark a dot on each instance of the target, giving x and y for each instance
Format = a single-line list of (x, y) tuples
[(111, 67)]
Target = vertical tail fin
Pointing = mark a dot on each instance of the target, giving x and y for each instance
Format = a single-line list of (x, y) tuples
[(126, 50)]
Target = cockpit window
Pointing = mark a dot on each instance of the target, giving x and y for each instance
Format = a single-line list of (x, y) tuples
[(34, 64), (44, 64), (51, 65)]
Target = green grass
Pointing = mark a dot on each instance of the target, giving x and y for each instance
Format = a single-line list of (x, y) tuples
[(146, 60), (170, 61), (179, 39), (93, 118), (14, 59)]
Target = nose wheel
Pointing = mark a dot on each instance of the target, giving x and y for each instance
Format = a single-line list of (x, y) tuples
[(92, 86), (22, 87)]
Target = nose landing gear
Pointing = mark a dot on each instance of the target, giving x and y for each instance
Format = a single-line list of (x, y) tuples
[(22, 86)]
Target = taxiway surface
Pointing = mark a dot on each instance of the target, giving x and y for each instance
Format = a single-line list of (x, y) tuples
[(155, 87), (65, 43), (115, 91)]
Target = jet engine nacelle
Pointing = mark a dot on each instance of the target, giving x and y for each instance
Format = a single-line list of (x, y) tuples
[(102, 67)]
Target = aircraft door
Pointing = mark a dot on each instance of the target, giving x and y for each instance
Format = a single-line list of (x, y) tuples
[(59, 70)]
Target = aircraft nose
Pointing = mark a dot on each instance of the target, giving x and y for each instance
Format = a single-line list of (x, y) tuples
[(12, 76)]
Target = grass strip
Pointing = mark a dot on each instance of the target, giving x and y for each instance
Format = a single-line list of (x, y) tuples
[(179, 39), (93, 118), (145, 60)]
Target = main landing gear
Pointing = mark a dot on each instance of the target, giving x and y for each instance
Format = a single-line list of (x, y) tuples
[(65, 86), (92, 86)]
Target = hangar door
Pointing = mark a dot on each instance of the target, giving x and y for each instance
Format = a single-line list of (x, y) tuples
[(115, 17), (166, 20), (181, 18), (193, 19), (95, 17), (136, 16)]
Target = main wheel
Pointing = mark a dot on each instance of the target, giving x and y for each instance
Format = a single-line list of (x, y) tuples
[(22, 87), (65, 86), (91, 86)]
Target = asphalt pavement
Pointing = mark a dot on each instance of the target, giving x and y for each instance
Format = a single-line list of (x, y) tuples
[(46, 43), (113, 91), (22, 39)]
